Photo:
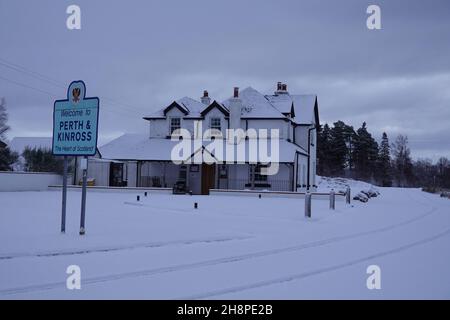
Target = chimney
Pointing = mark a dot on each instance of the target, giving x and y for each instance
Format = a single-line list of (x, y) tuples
[(236, 92), (206, 100), (281, 88), (235, 116)]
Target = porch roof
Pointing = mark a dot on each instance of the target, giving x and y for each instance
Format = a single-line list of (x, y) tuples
[(141, 148)]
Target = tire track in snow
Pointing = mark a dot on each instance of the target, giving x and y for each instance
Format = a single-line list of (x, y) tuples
[(70, 252), (207, 263), (209, 214), (308, 274)]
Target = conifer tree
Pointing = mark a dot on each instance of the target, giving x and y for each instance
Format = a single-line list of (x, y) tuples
[(365, 154), (384, 172), (338, 149), (323, 150)]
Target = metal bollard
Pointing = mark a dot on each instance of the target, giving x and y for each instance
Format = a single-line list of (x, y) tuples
[(259, 196), (145, 193), (195, 205), (308, 205), (138, 198), (332, 200), (348, 196)]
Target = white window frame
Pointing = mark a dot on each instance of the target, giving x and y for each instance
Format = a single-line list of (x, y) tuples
[(171, 126), (215, 130)]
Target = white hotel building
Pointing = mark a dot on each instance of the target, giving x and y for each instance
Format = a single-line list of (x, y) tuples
[(145, 160)]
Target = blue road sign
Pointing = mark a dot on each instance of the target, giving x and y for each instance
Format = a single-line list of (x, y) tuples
[(75, 123)]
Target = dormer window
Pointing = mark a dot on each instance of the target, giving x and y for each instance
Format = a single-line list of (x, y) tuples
[(175, 124), (215, 124)]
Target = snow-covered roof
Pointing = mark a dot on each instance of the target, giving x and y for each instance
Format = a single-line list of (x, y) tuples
[(137, 147), (304, 106), (282, 102), (192, 107), (140, 147), (18, 144), (255, 105)]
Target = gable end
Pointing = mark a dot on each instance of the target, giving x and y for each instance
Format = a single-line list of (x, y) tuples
[(217, 105), (175, 105)]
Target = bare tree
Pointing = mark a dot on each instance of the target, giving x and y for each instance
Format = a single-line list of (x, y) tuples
[(402, 161), (7, 158)]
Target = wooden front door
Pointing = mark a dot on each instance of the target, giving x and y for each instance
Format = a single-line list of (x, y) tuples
[(208, 175), (116, 175)]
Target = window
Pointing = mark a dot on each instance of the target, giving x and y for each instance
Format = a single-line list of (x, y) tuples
[(175, 124), (258, 176), (215, 124), (182, 174)]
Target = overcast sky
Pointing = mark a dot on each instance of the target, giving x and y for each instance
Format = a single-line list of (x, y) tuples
[(138, 56)]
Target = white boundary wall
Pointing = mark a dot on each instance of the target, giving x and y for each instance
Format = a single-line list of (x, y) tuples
[(137, 190), (28, 181)]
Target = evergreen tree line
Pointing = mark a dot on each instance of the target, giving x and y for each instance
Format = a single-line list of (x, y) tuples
[(42, 160), (36, 160), (344, 151)]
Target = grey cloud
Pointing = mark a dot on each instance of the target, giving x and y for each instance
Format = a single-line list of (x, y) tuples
[(146, 54)]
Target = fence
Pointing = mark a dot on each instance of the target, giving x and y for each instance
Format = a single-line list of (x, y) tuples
[(245, 184), (157, 181), (234, 184)]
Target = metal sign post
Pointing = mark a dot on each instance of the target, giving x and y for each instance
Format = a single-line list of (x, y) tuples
[(64, 196), (83, 195), (75, 131)]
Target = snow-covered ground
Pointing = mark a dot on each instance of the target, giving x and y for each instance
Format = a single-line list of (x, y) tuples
[(231, 247), (325, 184)]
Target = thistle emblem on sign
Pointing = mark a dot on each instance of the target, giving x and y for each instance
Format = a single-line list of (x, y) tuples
[(76, 94)]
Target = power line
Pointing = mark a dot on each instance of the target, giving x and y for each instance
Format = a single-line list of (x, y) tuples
[(34, 74), (54, 96), (42, 77), (28, 87)]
